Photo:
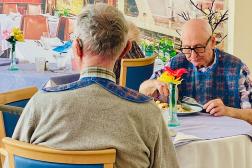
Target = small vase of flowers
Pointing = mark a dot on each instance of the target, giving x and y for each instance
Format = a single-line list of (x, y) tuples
[(13, 36), (172, 78)]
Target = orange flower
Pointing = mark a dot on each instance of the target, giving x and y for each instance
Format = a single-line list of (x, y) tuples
[(176, 73), (172, 76)]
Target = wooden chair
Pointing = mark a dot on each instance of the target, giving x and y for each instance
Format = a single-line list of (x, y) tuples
[(65, 28), (18, 98), (135, 71), (21, 154), (9, 7), (33, 9), (33, 26)]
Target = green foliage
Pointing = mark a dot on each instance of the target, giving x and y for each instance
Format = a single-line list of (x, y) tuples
[(74, 6), (163, 46), (63, 12), (166, 46), (11, 40), (148, 47)]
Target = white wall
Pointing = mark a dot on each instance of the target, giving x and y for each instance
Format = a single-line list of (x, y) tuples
[(240, 30)]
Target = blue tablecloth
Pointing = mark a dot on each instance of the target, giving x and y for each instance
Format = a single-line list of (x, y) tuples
[(25, 77)]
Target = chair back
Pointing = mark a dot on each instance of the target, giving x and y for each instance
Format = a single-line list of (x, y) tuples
[(24, 155), (135, 71), (9, 7), (33, 26), (33, 9), (18, 98), (65, 28)]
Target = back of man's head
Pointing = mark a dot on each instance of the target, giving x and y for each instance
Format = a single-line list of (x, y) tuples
[(102, 30)]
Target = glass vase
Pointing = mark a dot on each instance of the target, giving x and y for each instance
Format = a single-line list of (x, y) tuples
[(173, 118), (13, 66)]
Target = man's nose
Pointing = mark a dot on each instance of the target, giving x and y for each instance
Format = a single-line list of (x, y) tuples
[(193, 54)]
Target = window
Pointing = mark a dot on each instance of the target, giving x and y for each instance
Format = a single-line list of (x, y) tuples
[(130, 8)]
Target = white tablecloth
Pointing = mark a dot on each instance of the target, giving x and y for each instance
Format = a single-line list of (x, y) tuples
[(26, 76), (29, 50), (230, 152), (7, 22)]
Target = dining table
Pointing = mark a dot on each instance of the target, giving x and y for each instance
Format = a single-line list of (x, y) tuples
[(29, 50), (204, 141), (9, 21)]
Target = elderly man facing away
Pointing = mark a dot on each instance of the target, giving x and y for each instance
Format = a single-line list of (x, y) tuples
[(93, 112), (216, 79)]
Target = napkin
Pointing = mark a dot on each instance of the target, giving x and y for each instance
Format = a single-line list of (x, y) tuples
[(63, 48), (52, 42), (52, 18), (181, 139), (4, 61), (13, 16)]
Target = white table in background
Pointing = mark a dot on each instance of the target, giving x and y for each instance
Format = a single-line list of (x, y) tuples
[(29, 50), (7, 22)]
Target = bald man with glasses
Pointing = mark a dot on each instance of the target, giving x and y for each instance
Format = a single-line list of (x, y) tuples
[(217, 80)]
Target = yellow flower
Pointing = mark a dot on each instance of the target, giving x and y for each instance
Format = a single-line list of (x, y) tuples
[(165, 77), (19, 37), (18, 34)]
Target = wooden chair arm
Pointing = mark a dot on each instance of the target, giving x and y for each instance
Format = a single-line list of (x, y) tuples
[(3, 152), (12, 109)]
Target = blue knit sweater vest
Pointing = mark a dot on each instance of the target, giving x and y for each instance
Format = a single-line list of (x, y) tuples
[(220, 81)]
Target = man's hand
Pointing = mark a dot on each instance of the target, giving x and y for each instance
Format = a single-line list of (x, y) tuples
[(150, 88), (216, 107)]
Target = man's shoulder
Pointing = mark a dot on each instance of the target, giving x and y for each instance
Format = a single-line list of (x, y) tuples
[(147, 111), (229, 58), (119, 91), (179, 56), (179, 61), (126, 93)]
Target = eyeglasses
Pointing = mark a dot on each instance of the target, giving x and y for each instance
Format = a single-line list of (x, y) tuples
[(197, 49)]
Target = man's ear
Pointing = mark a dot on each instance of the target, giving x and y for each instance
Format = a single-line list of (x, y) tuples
[(78, 53), (126, 49), (213, 42), (78, 48)]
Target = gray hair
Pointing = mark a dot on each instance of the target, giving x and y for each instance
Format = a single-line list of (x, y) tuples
[(102, 29)]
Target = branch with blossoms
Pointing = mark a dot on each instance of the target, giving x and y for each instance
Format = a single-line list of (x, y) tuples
[(215, 18)]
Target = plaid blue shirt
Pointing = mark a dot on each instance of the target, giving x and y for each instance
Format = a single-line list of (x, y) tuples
[(245, 83)]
